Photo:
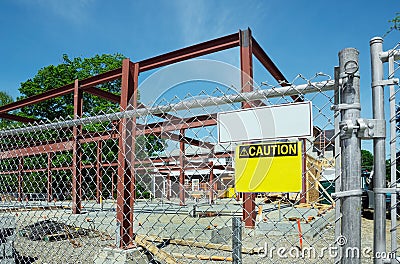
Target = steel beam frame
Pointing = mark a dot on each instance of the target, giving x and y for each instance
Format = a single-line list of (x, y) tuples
[(128, 130), (246, 66), (126, 159)]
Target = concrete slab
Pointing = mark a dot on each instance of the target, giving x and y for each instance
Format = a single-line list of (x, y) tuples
[(121, 256)]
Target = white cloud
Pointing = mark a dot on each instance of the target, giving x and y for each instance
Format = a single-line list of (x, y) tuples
[(75, 12), (191, 16)]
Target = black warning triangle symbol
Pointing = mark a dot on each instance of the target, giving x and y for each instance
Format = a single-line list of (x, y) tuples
[(243, 152)]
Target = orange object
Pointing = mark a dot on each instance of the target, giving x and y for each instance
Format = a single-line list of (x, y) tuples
[(300, 234)]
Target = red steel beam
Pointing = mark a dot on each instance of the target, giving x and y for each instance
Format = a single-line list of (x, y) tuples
[(154, 128), (63, 90), (36, 150), (211, 46), (187, 140), (103, 94), (17, 118), (178, 124), (246, 65), (126, 174), (77, 153), (101, 78)]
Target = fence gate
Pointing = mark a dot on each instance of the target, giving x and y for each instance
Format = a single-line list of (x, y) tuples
[(386, 177)]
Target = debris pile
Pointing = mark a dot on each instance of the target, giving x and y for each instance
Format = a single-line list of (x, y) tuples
[(50, 230)]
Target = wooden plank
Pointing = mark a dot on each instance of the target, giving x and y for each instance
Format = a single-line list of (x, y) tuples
[(201, 257), (159, 253), (191, 243)]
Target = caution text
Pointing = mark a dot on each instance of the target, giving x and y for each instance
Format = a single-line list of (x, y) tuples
[(269, 150)]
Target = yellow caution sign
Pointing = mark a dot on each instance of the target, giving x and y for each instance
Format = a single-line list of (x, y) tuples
[(269, 167)]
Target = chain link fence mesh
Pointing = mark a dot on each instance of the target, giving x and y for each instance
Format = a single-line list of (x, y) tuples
[(72, 190), (393, 170)]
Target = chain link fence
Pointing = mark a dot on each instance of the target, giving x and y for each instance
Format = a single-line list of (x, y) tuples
[(393, 170), (153, 185)]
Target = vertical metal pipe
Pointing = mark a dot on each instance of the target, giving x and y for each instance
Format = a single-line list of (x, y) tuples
[(393, 198), (99, 185), (379, 149), (351, 155), (168, 186), (20, 178), (237, 240), (303, 194), (49, 178), (338, 230), (182, 167), (211, 183)]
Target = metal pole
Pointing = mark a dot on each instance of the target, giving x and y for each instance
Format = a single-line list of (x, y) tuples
[(338, 215), (237, 240), (393, 209), (351, 156), (379, 149)]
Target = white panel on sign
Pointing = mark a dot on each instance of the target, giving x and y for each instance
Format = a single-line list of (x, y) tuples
[(269, 122)]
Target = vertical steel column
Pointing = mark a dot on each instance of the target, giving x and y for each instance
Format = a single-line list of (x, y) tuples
[(168, 186), (99, 182), (112, 184), (20, 178), (303, 194), (126, 154), (379, 149), (351, 155), (49, 178), (393, 172), (77, 153), (181, 167), (211, 183), (246, 66)]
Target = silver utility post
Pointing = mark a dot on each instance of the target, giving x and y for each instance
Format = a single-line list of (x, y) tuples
[(379, 149), (351, 157)]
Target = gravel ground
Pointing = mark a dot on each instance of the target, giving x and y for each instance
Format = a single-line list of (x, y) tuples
[(64, 250)]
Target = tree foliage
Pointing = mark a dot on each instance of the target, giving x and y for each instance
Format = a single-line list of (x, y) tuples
[(395, 24), (51, 77), (367, 160), (5, 99)]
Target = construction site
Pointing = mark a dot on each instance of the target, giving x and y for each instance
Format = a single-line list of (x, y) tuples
[(93, 188)]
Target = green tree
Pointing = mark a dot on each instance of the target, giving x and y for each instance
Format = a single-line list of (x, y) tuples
[(395, 24), (367, 160), (5, 99), (51, 77)]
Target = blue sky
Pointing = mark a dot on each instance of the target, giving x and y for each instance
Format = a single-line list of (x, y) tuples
[(301, 36)]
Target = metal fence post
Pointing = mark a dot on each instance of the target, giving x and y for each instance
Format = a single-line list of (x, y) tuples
[(237, 240), (379, 149), (338, 213), (351, 156), (393, 169)]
